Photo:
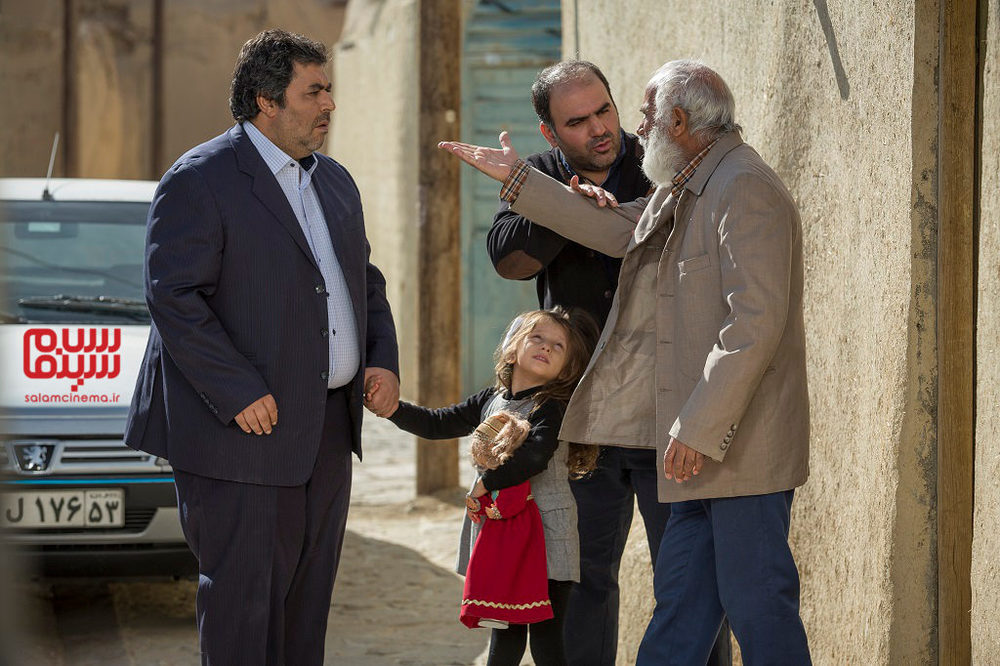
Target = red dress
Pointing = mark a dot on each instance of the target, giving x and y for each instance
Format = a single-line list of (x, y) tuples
[(507, 578)]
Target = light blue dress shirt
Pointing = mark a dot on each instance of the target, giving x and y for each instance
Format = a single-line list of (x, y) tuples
[(296, 183)]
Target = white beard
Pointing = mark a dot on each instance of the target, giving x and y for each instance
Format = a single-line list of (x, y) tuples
[(662, 158)]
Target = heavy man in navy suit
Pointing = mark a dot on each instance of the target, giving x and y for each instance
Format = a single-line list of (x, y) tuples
[(264, 304)]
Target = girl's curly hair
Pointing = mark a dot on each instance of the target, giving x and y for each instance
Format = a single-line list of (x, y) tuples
[(581, 338)]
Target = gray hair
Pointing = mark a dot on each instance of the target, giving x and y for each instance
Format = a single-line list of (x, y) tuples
[(701, 92)]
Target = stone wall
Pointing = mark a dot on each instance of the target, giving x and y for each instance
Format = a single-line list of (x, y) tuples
[(840, 100)]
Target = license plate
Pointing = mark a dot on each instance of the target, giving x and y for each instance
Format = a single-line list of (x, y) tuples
[(57, 509)]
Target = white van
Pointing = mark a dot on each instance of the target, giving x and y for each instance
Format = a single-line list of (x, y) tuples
[(73, 327)]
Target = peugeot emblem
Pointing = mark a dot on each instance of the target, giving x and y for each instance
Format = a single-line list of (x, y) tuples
[(33, 457)]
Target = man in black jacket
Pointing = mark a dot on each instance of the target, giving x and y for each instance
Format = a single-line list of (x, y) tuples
[(579, 119)]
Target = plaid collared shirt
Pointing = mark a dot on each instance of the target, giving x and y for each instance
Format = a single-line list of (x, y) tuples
[(515, 181), (684, 175)]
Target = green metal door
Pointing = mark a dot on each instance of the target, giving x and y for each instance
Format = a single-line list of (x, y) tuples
[(506, 43)]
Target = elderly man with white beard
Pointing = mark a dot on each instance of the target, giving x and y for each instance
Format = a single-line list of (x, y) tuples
[(703, 356)]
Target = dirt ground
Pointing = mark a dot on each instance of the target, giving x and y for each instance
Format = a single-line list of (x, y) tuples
[(396, 600)]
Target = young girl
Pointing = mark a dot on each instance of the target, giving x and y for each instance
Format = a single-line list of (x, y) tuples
[(538, 364)]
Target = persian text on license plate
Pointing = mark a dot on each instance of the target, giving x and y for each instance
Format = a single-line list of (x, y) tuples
[(63, 508)]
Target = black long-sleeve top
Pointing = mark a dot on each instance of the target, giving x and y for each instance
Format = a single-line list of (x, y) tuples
[(462, 418)]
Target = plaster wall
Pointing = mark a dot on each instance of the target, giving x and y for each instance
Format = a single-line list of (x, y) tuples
[(91, 78), (111, 89), (375, 76), (31, 64), (201, 42), (840, 100), (986, 537)]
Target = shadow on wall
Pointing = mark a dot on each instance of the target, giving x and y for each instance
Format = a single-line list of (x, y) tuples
[(831, 41)]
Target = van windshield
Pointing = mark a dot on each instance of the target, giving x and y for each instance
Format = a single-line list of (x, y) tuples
[(72, 262)]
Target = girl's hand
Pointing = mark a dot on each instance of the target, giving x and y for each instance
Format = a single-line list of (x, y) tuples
[(478, 490), (601, 195), (473, 508), (370, 388)]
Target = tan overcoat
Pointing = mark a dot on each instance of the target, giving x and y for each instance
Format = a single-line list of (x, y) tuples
[(705, 339)]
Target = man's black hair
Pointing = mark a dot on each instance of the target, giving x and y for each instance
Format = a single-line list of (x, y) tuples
[(264, 67), (557, 74)]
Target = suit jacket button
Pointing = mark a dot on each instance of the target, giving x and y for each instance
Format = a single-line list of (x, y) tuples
[(324, 375), (724, 446), (320, 289), (325, 333)]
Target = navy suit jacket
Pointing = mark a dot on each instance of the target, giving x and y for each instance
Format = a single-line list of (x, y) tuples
[(239, 310)]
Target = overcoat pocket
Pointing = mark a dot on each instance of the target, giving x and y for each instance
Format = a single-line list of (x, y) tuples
[(694, 264)]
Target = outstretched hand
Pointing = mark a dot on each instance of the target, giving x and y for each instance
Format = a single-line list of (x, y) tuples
[(494, 162)]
